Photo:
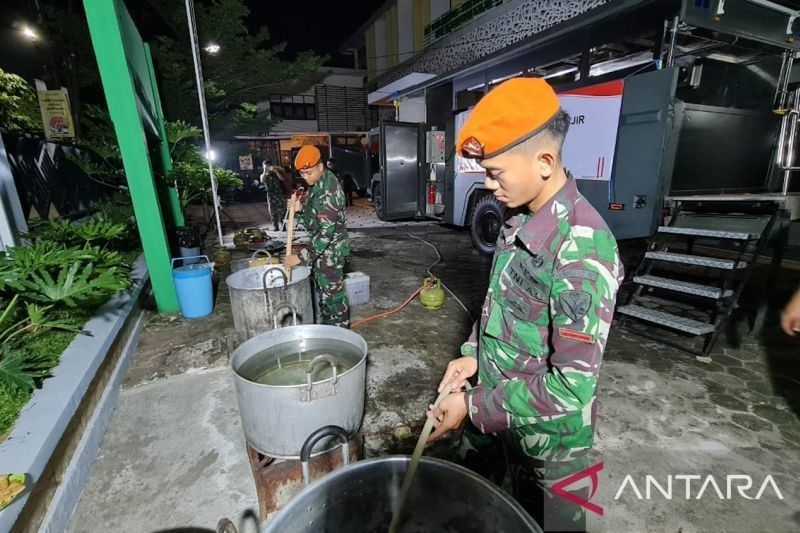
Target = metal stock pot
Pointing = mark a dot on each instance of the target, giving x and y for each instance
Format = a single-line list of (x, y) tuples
[(258, 293), (277, 419), (360, 498)]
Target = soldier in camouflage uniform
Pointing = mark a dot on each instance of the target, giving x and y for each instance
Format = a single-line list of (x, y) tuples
[(538, 345), (275, 182), (323, 214)]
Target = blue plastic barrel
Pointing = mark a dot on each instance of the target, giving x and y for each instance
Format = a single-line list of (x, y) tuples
[(193, 287)]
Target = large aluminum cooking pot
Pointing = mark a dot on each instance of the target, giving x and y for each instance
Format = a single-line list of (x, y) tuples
[(361, 498), (259, 258), (277, 419), (258, 293)]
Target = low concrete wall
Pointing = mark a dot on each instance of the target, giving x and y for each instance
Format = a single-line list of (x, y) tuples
[(58, 433)]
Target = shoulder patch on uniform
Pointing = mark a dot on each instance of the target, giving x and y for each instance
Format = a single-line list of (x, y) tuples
[(576, 273), (575, 304), (588, 338)]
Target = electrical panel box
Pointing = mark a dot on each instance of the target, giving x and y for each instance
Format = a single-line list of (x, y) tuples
[(434, 146)]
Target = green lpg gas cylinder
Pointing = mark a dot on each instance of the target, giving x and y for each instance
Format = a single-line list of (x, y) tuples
[(432, 296)]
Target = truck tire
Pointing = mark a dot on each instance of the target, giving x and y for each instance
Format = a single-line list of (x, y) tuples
[(377, 200), (486, 221)]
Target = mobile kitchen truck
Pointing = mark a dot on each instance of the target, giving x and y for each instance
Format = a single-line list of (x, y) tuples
[(684, 127)]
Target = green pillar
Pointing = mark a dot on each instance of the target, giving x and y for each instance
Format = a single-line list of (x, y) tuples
[(173, 201), (111, 29)]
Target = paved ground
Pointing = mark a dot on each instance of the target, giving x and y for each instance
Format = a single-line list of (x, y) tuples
[(174, 454)]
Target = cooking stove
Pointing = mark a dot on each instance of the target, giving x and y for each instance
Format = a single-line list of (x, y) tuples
[(279, 480)]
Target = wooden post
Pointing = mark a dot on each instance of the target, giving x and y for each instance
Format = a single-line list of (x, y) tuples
[(290, 236)]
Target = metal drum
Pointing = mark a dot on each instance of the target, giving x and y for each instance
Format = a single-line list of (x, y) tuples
[(258, 294)]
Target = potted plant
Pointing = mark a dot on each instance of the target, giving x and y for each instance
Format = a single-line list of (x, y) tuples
[(188, 240)]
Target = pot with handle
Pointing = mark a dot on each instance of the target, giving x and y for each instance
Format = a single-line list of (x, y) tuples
[(257, 259), (361, 496), (292, 380), (256, 292)]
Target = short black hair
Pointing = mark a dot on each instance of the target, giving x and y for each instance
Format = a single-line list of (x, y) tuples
[(558, 126), (556, 130)]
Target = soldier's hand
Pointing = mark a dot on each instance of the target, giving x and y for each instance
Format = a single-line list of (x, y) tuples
[(291, 260), (449, 415), (458, 372), (298, 205), (790, 318)]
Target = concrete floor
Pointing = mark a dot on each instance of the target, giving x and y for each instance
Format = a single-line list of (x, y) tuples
[(174, 453)]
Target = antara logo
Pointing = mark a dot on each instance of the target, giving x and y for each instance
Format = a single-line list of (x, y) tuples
[(591, 473), (741, 482)]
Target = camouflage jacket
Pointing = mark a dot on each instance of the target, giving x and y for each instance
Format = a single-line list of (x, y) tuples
[(543, 327), (324, 217), (275, 186)]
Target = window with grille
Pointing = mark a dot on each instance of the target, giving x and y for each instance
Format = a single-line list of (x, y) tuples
[(293, 107)]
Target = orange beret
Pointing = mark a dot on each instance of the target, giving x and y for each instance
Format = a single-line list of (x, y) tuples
[(307, 157), (512, 112)]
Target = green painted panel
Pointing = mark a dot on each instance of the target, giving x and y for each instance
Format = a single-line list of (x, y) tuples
[(136, 57), (114, 51), (173, 204)]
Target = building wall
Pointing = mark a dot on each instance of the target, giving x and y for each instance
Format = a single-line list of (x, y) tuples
[(339, 79), (422, 16), (369, 39), (295, 125), (504, 25), (397, 35), (438, 8), (332, 77), (380, 46), (412, 110), (391, 36), (405, 29)]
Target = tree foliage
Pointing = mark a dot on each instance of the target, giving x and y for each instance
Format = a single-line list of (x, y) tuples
[(189, 167), (19, 109), (99, 158), (246, 66)]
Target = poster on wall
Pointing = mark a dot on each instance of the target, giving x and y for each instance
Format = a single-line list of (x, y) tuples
[(594, 120), (56, 116), (246, 162)]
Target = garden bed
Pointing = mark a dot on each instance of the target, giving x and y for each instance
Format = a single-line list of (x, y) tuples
[(57, 434)]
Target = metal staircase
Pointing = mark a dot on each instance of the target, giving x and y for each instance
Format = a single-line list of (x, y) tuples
[(694, 294)]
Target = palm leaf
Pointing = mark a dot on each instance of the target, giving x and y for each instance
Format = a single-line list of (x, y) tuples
[(14, 372), (100, 229), (38, 319), (8, 313), (75, 284)]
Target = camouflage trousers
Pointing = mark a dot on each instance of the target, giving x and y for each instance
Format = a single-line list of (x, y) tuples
[(531, 479), (277, 209), (334, 307)]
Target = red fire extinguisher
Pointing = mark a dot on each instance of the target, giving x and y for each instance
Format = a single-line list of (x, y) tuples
[(432, 193)]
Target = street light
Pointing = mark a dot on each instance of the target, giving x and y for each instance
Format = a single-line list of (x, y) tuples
[(29, 33), (198, 73), (211, 155), (212, 48)]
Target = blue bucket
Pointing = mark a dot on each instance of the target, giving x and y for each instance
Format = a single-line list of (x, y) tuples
[(193, 287)]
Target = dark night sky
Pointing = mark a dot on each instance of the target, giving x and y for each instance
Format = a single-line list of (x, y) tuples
[(319, 25)]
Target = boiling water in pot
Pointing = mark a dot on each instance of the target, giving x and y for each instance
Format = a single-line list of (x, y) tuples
[(286, 364)]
